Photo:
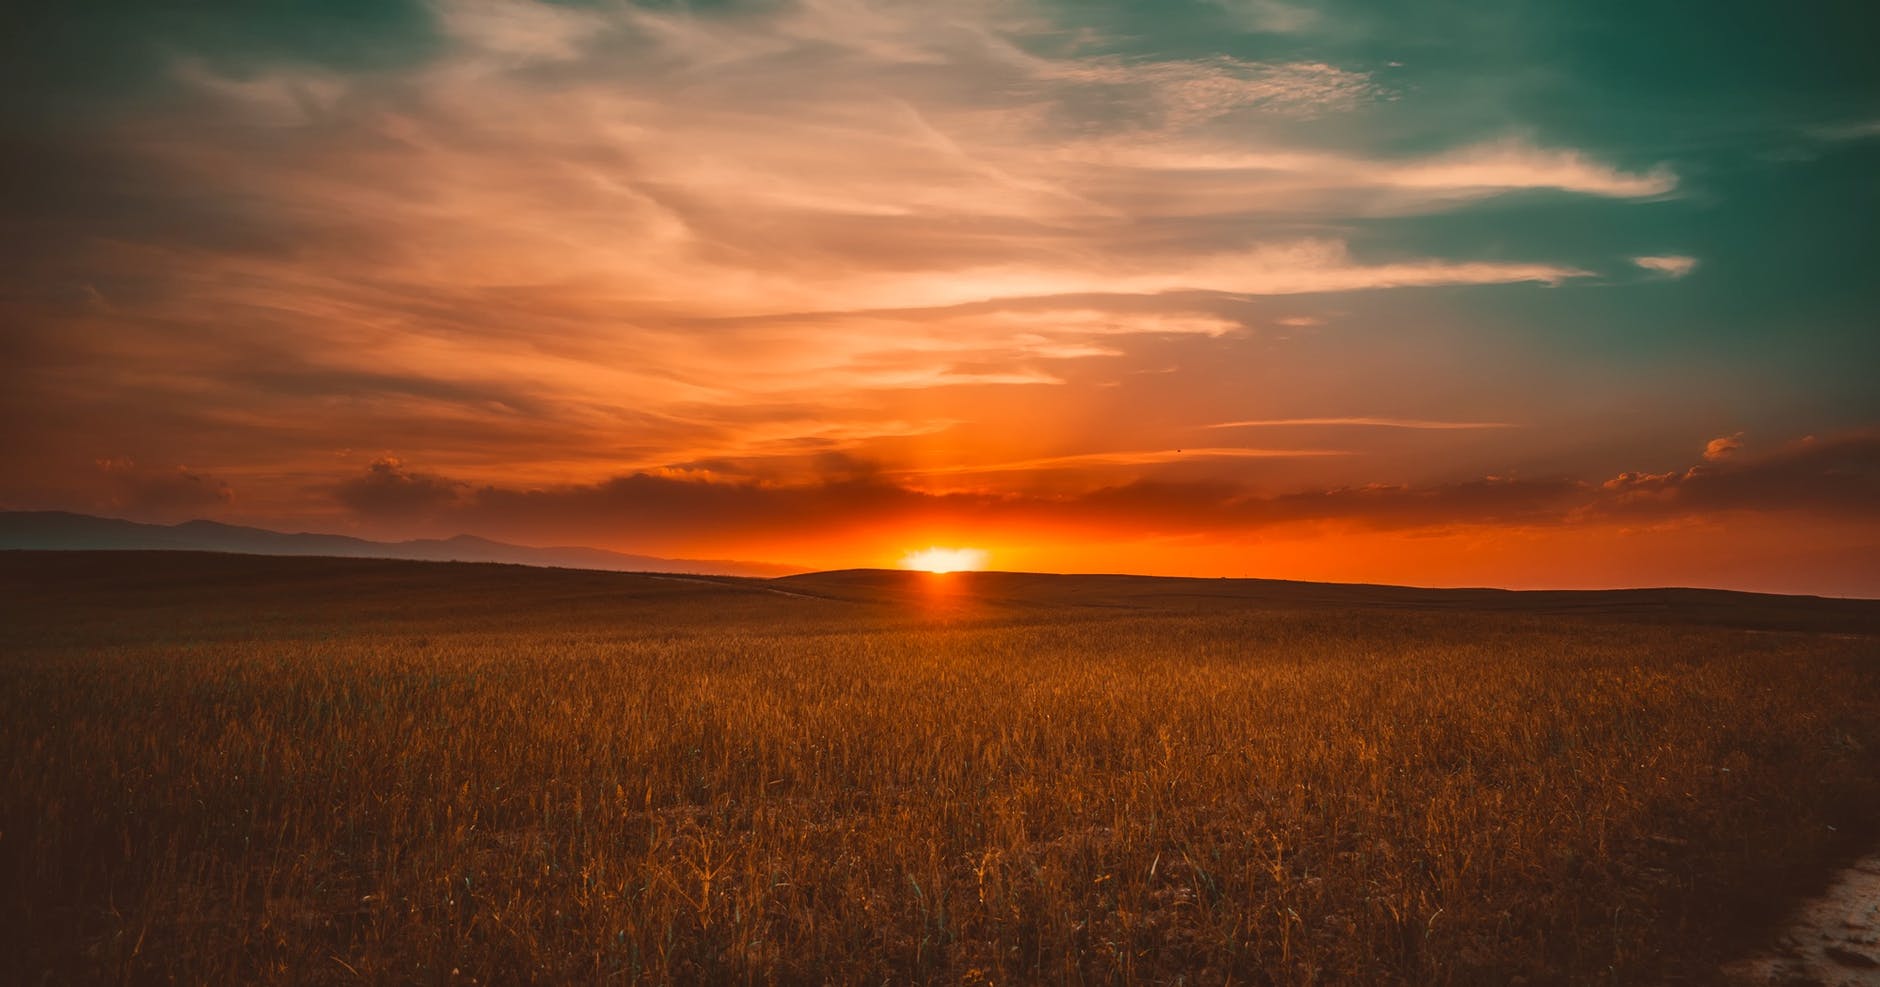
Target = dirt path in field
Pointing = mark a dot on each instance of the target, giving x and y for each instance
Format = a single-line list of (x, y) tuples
[(1830, 941)]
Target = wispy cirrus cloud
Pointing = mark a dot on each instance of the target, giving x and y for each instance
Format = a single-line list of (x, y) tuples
[(1193, 175), (1853, 130), (1269, 16), (570, 242), (1114, 459), (1409, 423)]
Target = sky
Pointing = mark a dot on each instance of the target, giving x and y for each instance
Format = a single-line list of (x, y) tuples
[(1504, 293)]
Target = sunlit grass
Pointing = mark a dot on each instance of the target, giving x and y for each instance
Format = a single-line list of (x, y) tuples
[(541, 781)]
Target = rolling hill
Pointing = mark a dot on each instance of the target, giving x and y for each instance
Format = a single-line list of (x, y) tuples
[(60, 530)]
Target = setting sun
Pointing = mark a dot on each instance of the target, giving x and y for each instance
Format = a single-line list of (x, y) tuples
[(945, 560), (512, 487)]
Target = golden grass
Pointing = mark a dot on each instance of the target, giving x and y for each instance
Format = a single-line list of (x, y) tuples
[(568, 777)]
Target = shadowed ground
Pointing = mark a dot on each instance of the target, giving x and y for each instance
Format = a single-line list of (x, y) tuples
[(248, 769)]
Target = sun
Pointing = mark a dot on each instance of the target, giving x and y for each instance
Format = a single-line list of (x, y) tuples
[(945, 560)]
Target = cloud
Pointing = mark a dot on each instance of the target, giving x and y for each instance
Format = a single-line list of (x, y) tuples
[(160, 492), (1192, 176), (1305, 266), (1670, 266), (1119, 459), (1188, 93), (1269, 16), (1832, 477), (570, 241), (388, 489), (1838, 475), (1409, 423), (1853, 130), (650, 511), (524, 31), (1513, 164), (1723, 447)]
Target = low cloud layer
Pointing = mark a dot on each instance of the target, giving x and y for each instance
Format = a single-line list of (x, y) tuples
[(387, 490), (1832, 477), (175, 492)]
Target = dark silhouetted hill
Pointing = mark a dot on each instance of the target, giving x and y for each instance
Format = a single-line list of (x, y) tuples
[(59, 530)]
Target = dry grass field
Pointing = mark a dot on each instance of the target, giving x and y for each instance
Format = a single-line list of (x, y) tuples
[(222, 769)]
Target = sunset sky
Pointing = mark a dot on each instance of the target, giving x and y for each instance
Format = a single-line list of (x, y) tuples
[(1450, 293)]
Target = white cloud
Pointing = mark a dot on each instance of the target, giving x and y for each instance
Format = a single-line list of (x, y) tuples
[(1197, 177), (1514, 164), (1669, 265)]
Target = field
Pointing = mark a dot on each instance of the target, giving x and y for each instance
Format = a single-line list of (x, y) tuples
[(224, 769)]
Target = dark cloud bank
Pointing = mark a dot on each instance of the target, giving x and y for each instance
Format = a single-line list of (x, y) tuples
[(1836, 477)]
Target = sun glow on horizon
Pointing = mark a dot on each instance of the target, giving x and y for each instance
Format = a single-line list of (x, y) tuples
[(937, 559)]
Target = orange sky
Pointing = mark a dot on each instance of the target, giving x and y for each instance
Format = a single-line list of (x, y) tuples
[(1207, 290)]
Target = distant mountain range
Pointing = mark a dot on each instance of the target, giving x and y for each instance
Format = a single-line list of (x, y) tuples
[(63, 530)]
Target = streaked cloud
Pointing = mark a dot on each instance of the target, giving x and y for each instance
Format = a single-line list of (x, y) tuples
[(523, 31), (1194, 177), (1269, 16), (623, 210), (1186, 93), (1853, 130), (1148, 457), (1410, 423), (833, 259), (1671, 266), (1517, 165)]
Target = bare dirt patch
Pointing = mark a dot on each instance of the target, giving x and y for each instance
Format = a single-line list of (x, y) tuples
[(1832, 940)]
